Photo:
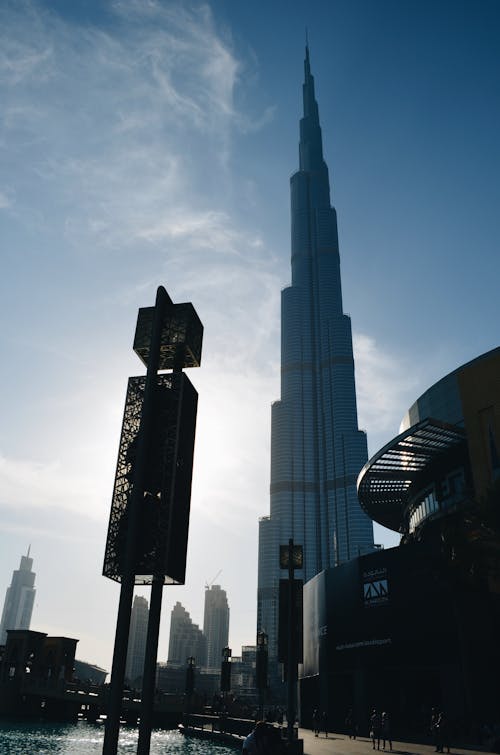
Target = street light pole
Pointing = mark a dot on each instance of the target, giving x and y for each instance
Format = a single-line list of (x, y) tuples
[(149, 519), (112, 730), (292, 665), (291, 558), (261, 669)]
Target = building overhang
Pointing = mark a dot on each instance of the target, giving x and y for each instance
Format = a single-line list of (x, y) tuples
[(387, 480)]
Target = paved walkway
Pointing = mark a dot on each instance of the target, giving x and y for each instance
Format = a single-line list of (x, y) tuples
[(339, 744)]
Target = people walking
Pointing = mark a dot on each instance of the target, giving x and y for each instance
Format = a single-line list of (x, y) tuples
[(434, 728), (324, 719), (316, 722), (375, 724), (351, 724), (442, 733), (386, 730)]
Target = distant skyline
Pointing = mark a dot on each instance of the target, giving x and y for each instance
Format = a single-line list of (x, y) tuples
[(19, 598), (146, 144)]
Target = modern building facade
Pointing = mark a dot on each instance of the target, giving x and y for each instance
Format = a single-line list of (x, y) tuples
[(136, 650), (317, 449), (417, 626), (186, 640), (19, 599), (447, 455), (215, 624)]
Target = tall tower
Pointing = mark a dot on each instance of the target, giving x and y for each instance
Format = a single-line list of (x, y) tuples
[(215, 624), (136, 649), (19, 599), (186, 639), (317, 449)]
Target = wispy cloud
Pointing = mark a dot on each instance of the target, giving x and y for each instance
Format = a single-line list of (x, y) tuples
[(386, 383), (118, 126), (27, 482), (5, 200)]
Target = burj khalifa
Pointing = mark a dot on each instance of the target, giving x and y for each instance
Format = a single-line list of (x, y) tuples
[(317, 449)]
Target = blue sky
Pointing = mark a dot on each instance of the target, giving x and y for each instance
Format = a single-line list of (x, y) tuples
[(146, 143)]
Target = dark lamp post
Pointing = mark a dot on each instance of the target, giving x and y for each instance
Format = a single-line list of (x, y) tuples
[(225, 671), (262, 640), (291, 558), (261, 669), (189, 680), (149, 519)]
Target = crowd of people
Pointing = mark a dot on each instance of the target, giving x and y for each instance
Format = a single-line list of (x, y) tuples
[(266, 738), (380, 729)]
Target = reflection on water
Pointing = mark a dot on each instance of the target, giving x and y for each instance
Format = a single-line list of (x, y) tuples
[(18, 738)]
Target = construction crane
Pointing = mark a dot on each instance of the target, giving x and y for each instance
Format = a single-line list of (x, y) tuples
[(208, 585)]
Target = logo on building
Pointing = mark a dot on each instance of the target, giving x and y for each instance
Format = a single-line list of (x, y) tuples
[(375, 587)]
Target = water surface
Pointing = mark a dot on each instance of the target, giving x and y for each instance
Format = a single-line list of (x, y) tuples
[(82, 738)]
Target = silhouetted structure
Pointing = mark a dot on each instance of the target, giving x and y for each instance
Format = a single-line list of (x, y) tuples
[(149, 518), (33, 664), (417, 626), (89, 672), (186, 639), (215, 624), (317, 449), (19, 599), (137, 640)]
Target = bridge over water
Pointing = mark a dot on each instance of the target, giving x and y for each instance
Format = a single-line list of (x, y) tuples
[(68, 701)]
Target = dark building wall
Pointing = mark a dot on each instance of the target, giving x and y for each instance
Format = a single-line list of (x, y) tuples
[(395, 630)]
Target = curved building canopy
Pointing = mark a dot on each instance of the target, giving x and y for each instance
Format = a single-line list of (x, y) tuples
[(386, 481)]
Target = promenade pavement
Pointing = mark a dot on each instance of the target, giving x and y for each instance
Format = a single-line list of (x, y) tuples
[(340, 744)]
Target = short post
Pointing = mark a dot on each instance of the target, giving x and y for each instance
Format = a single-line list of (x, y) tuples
[(189, 682), (225, 672), (291, 558), (261, 669), (292, 665)]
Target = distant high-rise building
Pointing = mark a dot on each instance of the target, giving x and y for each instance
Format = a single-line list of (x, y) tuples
[(136, 650), (317, 449), (186, 639), (19, 599), (215, 624)]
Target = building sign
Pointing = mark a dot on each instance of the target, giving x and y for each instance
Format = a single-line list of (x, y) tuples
[(375, 587), (364, 644)]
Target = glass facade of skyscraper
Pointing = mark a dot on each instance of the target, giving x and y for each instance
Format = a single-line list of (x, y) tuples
[(317, 449)]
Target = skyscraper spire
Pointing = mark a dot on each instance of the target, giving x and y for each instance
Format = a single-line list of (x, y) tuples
[(317, 449)]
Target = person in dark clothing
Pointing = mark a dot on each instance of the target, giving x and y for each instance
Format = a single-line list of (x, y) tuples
[(316, 722), (442, 733), (265, 739), (386, 730), (434, 729), (351, 724), (324, 719), (375, 725)]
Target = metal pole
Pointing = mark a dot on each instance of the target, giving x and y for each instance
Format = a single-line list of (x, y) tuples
[(149, 677), (118, 668), (292, 670), (110, 744), (151, 652)]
